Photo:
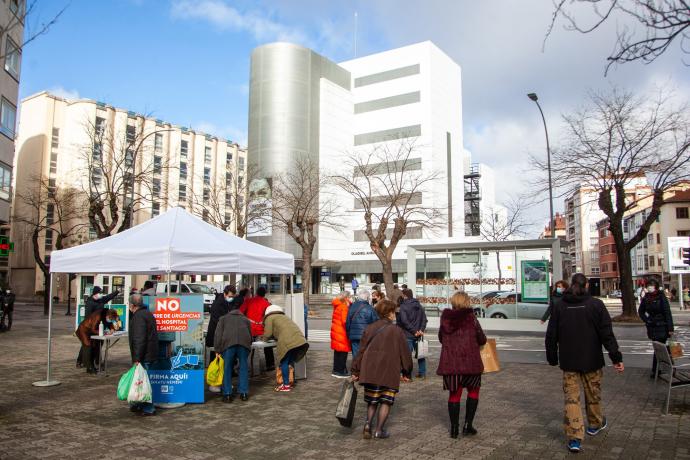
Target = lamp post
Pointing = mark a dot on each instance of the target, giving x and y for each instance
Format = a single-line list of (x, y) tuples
[(552, 224)]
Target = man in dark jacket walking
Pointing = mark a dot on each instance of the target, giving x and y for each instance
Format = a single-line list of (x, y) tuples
[(359, 316), (143, 343), (579, 326), (413, 322)]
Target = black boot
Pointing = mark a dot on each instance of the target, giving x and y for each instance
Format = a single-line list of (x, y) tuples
[(469, 416), (454, 414)]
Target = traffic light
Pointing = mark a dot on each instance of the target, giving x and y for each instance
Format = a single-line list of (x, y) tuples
[(5, 246), (686, 256)]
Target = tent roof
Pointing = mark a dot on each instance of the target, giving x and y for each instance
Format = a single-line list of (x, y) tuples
[(174, 242)]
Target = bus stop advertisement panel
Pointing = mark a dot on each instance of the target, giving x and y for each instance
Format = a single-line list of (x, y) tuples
[(178, 374)]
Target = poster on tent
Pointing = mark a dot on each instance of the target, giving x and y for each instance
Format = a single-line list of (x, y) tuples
[(122, 312), (178, 375), (535, 281)]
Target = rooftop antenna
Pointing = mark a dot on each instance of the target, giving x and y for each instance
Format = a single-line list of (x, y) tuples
[(355, 34)]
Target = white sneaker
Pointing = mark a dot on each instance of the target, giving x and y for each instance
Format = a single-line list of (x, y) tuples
[(213, 389)]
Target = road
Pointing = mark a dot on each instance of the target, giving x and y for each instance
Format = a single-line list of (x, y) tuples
[(527, 347)]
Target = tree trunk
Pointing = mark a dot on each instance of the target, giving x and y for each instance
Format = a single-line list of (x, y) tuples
[(387, 267), (306, 276), (627, 286), (498, 264)]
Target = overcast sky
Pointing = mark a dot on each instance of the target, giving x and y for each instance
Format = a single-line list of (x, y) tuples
[(187, 61)]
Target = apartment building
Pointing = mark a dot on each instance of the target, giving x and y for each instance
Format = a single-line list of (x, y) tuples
[(59, 141), (608, 259), (582, 216), (560, 228), (11, 38), (650, 257)]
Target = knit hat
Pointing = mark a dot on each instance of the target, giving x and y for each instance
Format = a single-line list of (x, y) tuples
[(273, 309), (96, 290)]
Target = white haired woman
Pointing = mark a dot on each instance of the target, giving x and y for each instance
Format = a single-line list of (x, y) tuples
[(360, 315)]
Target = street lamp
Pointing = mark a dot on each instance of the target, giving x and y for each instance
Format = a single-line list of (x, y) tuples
[(552, 224)]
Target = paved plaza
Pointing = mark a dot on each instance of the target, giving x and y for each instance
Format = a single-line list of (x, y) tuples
[(519, 416)]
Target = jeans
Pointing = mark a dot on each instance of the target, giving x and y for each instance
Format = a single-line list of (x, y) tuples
[(285, 364), (421, 363), (229, 358), (355, 348), (147, 408)]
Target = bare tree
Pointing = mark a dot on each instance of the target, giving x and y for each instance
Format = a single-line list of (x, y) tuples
[(618, 139), (19, 24), (503, 224), (662, 21), (387, 184), (120, 174), (53, 212), (301, 205)]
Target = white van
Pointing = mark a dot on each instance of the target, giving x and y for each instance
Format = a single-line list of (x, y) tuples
[(183, 287)]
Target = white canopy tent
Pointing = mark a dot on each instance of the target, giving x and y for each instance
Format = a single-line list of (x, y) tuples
[(174, 242)]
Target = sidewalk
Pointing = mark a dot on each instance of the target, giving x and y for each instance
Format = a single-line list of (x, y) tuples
[(520, 414)]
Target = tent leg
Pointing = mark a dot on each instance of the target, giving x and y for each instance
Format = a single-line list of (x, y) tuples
[(47, 382)]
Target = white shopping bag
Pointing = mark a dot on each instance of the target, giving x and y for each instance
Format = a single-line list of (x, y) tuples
[(140, 391), (422, 348)]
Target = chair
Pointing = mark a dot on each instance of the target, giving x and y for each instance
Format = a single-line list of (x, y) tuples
[(677, 374)]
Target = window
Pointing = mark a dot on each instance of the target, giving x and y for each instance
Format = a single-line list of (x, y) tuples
[(681, 213), (8, 118), (96, 177), (130, 134), (50, 214), (208, 157), (228, 199), (658, 238), (595, 270), (651, 261), (625, 225), (228, 159), (129, 158), (184, 149), (55, 139), (53, 163), (646, 263), (92, 233), (12, 58), (183, 171), (683, 233), (156, 187), (207, 176), (49, 240), (155, 209), (650, 238), (99, 127), (182, 193), (157, 164), (158, 143), (46, 259), (228, 217), (228, 180), (614, 267), (241, 162), (207, 194), (204, 215), (5, 182), (604, 268), (97, 152)]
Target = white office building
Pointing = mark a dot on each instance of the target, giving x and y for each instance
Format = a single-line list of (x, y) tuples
[(301, 103)]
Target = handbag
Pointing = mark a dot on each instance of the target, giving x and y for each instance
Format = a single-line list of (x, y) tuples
[(422, 349), (675, 349), (490, 356), (345, 410)]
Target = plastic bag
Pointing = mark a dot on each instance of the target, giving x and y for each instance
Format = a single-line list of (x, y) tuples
[(422, 348), (140, 390), (125, 383), (214, 374), (675, 349)]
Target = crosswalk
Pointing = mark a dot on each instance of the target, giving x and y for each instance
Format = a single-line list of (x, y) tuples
[(536, 344)]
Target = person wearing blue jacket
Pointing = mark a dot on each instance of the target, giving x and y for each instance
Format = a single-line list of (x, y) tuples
[(360, 315)]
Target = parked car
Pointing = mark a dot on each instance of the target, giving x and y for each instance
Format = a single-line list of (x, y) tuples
[(617, 294), (512, 307), (183, 287)]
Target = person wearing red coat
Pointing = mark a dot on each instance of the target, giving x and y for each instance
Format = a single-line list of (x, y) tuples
[(254, 309), (460, 363), (340, 344)]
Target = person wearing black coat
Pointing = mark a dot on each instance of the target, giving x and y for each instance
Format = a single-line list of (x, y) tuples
[(143, 343), (655, 311), (219, 308), (579, 326), (559, 290), (413, 323)]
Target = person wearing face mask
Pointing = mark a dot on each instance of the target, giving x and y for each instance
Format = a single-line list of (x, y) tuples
[(655, 311), (556, 295), (94, 302), (88, 327), (143, 344), (220, 307)]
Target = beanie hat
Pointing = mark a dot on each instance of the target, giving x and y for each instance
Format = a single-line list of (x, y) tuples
[(96, 290), (273, 309)]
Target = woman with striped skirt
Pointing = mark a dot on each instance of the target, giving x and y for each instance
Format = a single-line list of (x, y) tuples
[(461, 364)]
